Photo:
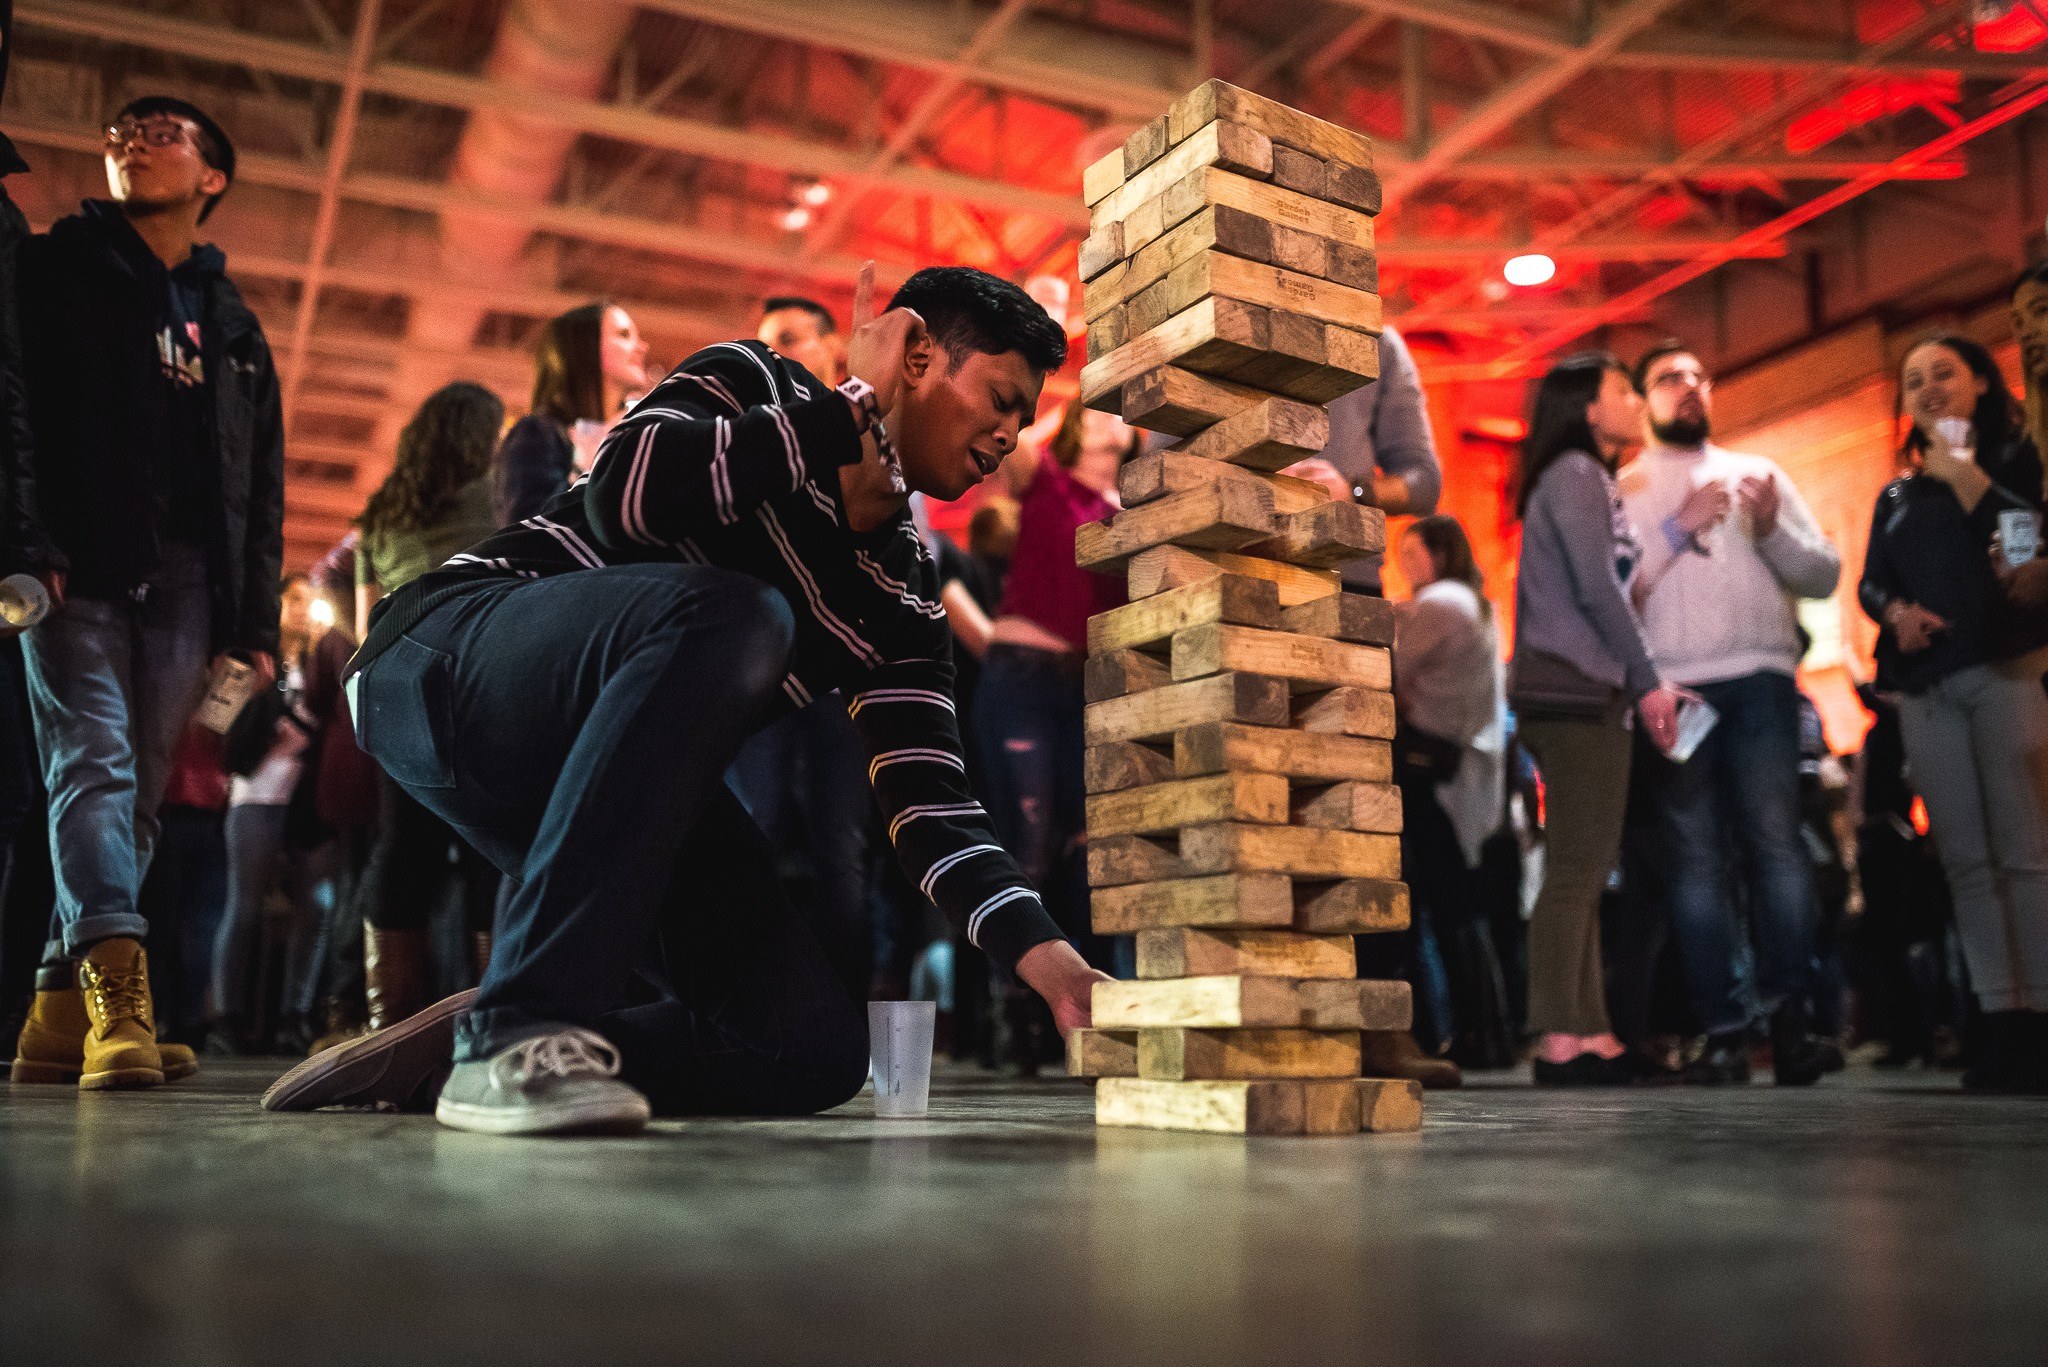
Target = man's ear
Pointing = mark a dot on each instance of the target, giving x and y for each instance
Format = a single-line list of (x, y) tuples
[(214, 182), (918, 360)]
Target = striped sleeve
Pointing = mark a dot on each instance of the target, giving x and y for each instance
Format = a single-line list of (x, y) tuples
[(723, 435), (944, 840)]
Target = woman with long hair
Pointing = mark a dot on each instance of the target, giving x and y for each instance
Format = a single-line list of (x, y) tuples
[(435, 502), (1968, 670), (590, 363), (1581, 667)]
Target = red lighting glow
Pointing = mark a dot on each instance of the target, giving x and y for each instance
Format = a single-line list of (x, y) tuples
[(1870, 101), (2007, 26)]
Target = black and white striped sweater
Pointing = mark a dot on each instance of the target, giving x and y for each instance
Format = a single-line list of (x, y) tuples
[(734, 460)]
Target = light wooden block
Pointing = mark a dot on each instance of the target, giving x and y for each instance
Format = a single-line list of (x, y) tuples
[(1209, 336), (1169, 567), (1228, 902), (1356, 1004), (1145, 478), (1107, 333), (1216, 99), (1299, 171), (1304, 852), (1248, 1108), (1219, 229), (1253, 282), (1389, 1105), (1183, 1055), (1269, 435), (1122, 764), (1261, 799), (1180, 402), (1157, 713), (1200, 189), (1102, 1053), (1102, 177), (1325, 536), (1197, 952), (1346, 712), (1229, 147), (1353, 906), (1349, 807), (1149, 621), (1102, 250), (1355, 187), (1236, 1001), (1307, 660), (1212, 516), (1227, 747), (1145, 146), (1355, 617), (1120, 673)]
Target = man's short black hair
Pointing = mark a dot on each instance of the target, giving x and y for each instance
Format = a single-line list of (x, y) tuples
[(827, 324), (1670, 346), (2036, 274), (214, 148), (969, 310)]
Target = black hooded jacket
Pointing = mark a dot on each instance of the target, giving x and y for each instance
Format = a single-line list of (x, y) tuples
[(23, 545), (102, 410)]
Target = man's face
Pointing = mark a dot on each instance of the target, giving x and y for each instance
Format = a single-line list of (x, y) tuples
[(957, 420), (154, 163), (1679, 394), (2030, 321), (799, 335)]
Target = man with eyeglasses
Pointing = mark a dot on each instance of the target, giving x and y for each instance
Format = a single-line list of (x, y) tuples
[(160, 464), (1728, 546)]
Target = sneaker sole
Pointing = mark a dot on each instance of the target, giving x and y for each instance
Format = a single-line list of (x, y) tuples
[(622, 1116), (43, 1074), (117, 1078), (388, 1066)]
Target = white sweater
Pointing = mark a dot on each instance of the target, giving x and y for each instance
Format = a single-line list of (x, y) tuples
[(1726, 612)]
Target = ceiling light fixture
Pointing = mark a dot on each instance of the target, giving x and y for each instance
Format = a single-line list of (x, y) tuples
[(1533, 269), (796, 219), (817, 194)]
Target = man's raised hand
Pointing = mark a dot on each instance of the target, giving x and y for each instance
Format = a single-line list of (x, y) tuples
[(879, 347)]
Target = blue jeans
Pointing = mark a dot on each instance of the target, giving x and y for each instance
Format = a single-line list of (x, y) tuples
[(111, 686), (1739, 796)]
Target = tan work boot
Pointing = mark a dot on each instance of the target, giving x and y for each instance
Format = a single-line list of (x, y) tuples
[(1394, 1053), (120, 1046), (51, 1049), (394, 974)]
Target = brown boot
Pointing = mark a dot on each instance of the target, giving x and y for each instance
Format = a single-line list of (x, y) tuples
[(120, 1046), (1394, 1053), (394, 974), (52, 1044)]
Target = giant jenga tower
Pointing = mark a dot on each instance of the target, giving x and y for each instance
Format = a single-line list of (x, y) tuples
[(1242, 822)]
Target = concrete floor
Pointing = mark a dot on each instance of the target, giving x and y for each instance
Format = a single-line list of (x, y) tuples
[(1874, 1220)]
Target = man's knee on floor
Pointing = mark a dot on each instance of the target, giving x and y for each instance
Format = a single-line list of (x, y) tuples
[(835, 1075)]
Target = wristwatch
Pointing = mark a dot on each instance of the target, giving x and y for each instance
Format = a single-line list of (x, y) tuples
[(861, 395)]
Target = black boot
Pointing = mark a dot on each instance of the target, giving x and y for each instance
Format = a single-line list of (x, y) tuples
[(1798, 1056), (1996, 1057), (1723, 1062)]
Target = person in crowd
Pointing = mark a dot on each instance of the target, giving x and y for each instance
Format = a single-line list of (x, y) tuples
[(1029, 703), (590, 360), (1581, 665), (160, 469), (574, 694), (185, 894), (1728, 547), (435, 502), (1449, 758), (1381, 452), (259, 855), (803, 330), (1968, 671)]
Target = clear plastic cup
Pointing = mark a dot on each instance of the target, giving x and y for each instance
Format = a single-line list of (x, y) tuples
[(900, 1049)]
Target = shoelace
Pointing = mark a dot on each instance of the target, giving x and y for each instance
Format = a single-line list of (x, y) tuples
[(567, 1054), (117, 996)]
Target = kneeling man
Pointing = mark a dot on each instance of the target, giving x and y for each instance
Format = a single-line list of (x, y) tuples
[(569, 693)]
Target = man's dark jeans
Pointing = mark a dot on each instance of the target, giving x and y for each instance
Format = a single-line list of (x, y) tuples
[(576, 730), (1735, 805)]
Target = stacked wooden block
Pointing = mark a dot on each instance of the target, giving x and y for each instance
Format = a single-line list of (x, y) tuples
[(1242, 821)]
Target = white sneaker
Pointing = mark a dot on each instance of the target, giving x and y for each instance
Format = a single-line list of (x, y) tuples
[(562, 1083)]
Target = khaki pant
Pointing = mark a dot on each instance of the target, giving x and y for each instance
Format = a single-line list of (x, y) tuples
[(1585, 762)]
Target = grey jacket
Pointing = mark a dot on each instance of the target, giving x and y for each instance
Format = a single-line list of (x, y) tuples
[(1385, 427), (1578, 555)]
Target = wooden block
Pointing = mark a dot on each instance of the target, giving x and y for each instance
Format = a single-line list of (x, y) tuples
[(1181, 402), (1229, 902), (1122, 764), (1225, 230), (1263, 1107), (1101, 250), (1165, 567), (1269, 435), (1214, 273), (1210, 335), (1389, 1105), (1101, 178), (1299, 171), (1351, 360), (1102, 1053), (1355, 187), (1326, 535), (1196, 952), (1214, 99), (1216, 648), (1257, 798), (1354, 1003), (1108, 332), (1214, 517), (1230, 147), (1298, 251), (1354, 906), (1200, 189), (1120, 673), (1158, 713), (1299, 851), (1145, 146), (1226, 747), (1347, 712), (1144, 478), (1182, 1055), (1349, 806), (1358, 267), (1217, 1003), (1148, 621), (1130, 860), (1145, 224), (1330, 1107), (1355, 617)]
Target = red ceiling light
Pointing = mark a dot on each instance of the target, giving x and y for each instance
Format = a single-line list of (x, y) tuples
[(2007, 25)]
